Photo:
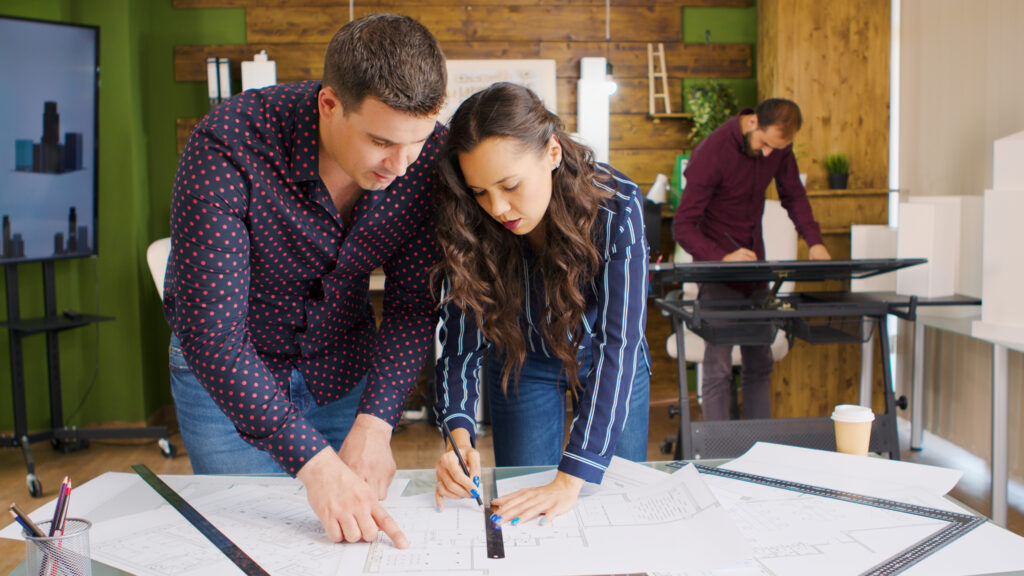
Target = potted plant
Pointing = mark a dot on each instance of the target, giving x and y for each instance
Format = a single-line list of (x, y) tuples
[(712, 103), (838, 166)]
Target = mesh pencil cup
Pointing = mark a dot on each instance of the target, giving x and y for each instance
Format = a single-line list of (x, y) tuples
[(61, 554)]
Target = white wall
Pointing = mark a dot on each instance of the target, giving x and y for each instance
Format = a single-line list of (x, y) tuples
[(962, 87)]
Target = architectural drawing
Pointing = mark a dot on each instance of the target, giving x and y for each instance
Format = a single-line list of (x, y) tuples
[(658, 520)]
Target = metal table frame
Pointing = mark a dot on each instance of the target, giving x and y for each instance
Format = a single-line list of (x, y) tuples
[(789, 312)]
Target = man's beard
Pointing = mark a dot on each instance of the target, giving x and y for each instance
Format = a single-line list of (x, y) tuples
[(747, 148)]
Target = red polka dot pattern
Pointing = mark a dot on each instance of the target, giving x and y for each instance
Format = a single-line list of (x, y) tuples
[(264, 275)]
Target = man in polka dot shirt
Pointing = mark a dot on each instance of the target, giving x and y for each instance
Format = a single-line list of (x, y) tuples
[(285, 200)]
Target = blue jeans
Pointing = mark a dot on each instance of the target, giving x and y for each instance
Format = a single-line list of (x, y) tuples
[(213, 443), (528, 426)]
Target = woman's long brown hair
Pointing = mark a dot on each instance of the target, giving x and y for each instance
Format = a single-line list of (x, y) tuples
[(483, 261)]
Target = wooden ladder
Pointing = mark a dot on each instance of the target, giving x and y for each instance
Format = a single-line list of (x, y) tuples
[(657, 71)]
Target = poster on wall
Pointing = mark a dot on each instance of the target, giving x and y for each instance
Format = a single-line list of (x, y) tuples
[(466, 77)]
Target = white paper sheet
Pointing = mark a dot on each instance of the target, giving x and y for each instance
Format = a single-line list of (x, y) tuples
[(621, 475), (877, 477)]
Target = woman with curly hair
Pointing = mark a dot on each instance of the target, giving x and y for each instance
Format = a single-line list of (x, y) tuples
[(544, 269)]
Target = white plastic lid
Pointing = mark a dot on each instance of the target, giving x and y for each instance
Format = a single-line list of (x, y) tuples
[(852, 413)]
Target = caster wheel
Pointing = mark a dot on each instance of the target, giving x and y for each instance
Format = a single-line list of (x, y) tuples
[(167, 449), (35, 487)]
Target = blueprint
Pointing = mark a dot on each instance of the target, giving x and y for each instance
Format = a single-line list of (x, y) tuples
[(658, 521), (271, 523), (270, 520), (639, 520)]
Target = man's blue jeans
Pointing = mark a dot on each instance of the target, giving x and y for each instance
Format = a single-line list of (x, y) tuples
[(528, 425), (213, 443)]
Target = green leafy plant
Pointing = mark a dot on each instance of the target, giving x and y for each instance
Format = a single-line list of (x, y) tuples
[(712, 103), (837, 164)]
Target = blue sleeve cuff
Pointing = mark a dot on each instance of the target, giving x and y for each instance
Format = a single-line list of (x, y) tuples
[(585, 465), (464, 421)]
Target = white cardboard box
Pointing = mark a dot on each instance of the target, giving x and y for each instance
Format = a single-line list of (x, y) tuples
[(966, 261), (1002, 308), (873, 241), (1008, 163), (929, 231)]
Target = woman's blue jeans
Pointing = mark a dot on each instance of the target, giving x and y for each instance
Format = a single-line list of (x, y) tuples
[(213, 443), (528, 425)]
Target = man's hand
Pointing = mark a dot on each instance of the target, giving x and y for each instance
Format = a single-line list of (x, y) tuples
[(549, 500), (452, 482), (741, 255), (367, 451), (346, 506), (818, 252)]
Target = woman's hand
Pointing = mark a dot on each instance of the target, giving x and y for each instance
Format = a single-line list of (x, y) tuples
[(550, 500), (452, 482)]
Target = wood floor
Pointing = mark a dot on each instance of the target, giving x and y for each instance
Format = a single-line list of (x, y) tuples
[(415, 445)]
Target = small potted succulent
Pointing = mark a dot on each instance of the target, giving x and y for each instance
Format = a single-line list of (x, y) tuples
[(838, 166)]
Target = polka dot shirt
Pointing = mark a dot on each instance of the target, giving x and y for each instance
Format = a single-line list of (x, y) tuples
[(264, 275)]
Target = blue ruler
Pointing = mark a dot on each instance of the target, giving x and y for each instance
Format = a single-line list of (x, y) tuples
[(495, 541)]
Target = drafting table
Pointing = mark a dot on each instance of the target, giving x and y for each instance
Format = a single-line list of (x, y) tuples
[(817, 317), (986, 545)]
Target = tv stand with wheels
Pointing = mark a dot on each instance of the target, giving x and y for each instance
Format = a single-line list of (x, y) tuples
[(64, 438)]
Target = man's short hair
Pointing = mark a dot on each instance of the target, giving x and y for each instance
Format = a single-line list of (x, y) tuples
[(392, 58), (782, 113)]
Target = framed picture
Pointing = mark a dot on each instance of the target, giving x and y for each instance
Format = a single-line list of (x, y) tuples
[(466, 77)]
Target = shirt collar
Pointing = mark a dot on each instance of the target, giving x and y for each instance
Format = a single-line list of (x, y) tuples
[(737, 131), (305, 160)]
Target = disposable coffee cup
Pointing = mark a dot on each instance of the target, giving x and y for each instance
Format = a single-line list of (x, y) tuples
[(64, 554), (853, 428)]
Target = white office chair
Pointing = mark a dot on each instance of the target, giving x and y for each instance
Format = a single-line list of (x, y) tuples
[(156, 256), (780, 243)]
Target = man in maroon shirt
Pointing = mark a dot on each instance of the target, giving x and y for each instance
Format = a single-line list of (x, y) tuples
[(719, 219), (285, 200)]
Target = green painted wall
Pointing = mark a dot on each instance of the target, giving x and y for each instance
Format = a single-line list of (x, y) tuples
[(726, 25), (165, 101), (139, 102)]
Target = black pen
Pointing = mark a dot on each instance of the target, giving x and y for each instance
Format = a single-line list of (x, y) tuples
[(462, 463), (734, 242)]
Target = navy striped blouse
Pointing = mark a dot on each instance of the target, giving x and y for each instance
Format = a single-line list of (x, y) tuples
[(614, 323)]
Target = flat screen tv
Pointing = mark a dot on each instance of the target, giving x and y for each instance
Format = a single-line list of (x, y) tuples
[(49, 104)]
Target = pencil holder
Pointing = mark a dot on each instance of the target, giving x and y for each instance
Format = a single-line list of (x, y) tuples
[(62, 554)]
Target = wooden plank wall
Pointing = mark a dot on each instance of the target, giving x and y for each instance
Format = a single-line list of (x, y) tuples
[(832, 58), (295, 33)]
